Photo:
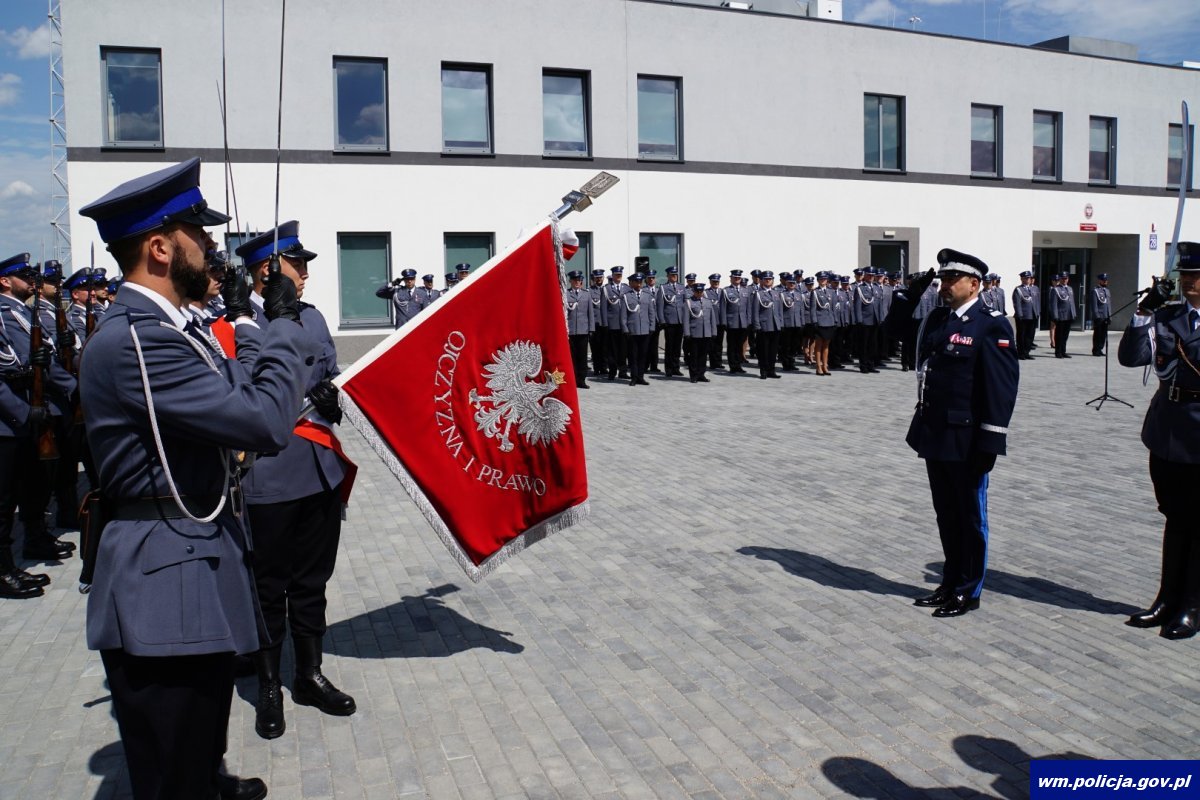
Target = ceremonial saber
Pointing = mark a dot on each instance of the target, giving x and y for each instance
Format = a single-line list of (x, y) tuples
[(577, 200), (1185, 178), (274, 265)]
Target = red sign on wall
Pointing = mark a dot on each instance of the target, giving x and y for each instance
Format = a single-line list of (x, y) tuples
[(1087, 226)]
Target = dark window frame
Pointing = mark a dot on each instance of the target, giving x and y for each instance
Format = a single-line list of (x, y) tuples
[(1191, 156), (901, 137), (678, 156), (998, 157), (585, 78), (1112, 151), (1057, 116), (387, 107), (489, 71), (140, 144)]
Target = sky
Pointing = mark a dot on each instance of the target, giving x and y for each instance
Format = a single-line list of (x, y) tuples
[(1165, 31)]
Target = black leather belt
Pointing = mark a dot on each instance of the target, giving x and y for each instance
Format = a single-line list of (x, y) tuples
[(1178, 395), (152, 508)]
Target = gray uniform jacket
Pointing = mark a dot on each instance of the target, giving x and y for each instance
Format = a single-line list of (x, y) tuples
[(14, 405), (823, 307), (735, 307), (1062, 303), (408, 303), (1172, 426), (176, 587), (927, 302), (302, 468), (841, 306), (714, 296), (613, 292), (637, 312), (1025, 300), (1101, 302), (58, 384), (426, 296), (670, 303), (599, 307), (862, 301), (791, 308), (581, 317), (883, 302), (766, 312), (700, 318)]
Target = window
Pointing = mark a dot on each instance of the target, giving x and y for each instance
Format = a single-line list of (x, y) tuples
[(1175, 155), (565, 122), (466, 109), (664, 249), (360, 97), (658, 118), (132, 97), (582, 260), (362, 268), (1047, 138), (1102, 150), (471, 248), (883, 132), (985, 141), (235, 240)]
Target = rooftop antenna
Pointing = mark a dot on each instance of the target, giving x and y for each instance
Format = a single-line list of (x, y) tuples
[(913, 20)]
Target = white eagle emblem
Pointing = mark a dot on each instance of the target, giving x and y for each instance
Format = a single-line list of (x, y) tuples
[(517, 400)]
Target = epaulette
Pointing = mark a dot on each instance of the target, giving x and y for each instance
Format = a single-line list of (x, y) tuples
[(135, 317), (301, 305), (995, 313)]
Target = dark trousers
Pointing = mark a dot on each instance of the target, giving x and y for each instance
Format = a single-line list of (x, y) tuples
[(652, 351), (66, 471), (768, 351), (618, 354), (24, 485), (1174, 488), (868, 347), (735, 339), (789, 345), (908, 348), (1026, 328), (295, 546), (674, 337), (637, 345), (599, 351), (716, 346), (960, 503), (1099, 336), (12, 490), (173, 715), (579, 347), (752, 342), (1062, 329), (698, 357)]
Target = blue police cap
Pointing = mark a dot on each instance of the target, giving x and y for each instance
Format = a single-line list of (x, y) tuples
[(691, 276), (618, 270), (114, 285), (735, 273), (99, 278), (451, 276), (755, 273), (1189, 256), (427, 278), (575, 275), (858, 270), (1103, 276), (672, 270), (79, 279), (598, 272), (263, 246), (463, 267), (52, 270), (637, 276), (790, 277), (697, 286), (952, 261), (716, 276), (143, 204), (845, 279), (409, 273), (785, 276), (652, 273), (15, 264), (1026, 274), (768, 274)]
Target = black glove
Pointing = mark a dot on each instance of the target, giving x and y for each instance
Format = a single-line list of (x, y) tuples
[(38, 416), (20, 380), (980, 463), (235, 293), (324, 398), (919, 285), (398, 282), (279, 297), (41, 357), (65, 340), (1156, 295)]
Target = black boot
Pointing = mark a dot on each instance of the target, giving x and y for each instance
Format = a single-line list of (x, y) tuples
[(311, 688), (268, 708)]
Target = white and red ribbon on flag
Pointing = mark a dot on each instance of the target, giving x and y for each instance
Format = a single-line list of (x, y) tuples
[(472, 405)]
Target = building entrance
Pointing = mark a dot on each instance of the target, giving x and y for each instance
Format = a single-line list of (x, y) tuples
[(890, 255)]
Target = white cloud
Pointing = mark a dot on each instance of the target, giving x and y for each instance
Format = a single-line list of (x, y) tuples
[(25, 203), (10, 88), (17, 189), (28, 43), (1153, 25), (876, 12)]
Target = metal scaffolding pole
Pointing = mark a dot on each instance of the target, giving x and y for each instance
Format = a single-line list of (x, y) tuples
[(60, 210)]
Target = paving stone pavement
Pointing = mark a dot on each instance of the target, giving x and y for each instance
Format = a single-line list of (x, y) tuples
[(733, 621)]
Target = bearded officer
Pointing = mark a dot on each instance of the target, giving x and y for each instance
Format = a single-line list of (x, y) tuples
[(1101, 308), (581, 322), (967, 378), (1167, 336), (294, 496), (173, 597)]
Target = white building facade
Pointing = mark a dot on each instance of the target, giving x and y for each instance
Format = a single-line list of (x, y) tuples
[(424, 134)]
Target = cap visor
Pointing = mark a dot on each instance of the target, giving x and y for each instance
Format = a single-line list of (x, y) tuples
[(206, 218)]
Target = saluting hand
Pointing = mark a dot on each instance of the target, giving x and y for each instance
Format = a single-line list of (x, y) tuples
[(919, 285)]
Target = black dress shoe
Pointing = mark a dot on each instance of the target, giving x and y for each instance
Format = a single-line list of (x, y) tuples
[(234, 788), (957, 605), (693, 380), (643, 382), (46, 549), (939, 597), (582, 386), (13, 588), (31, 579), (1183, 626), (1066, 355), (702, 379), (773, 375), (1157, 614)]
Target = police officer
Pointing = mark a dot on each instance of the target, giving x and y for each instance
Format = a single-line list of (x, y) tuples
[(599, 337), (1025, 302), (735, 310), (451, 281), (618, 349), (825, 321), (1101, 308), (766, 320), (461, 271), (1167, 336), (1062, 313), (671, 297), (716, 345), (407, 301), (652, 345), (638, 317), (967, 378), (862, 320), (699, 327), (173, 596), (294, 496), (425, 292), (793, 321), (581, 322)]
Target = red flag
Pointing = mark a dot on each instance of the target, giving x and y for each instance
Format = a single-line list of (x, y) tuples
[(473, 406)]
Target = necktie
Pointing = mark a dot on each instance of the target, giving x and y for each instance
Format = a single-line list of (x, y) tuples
[(1194, 318)]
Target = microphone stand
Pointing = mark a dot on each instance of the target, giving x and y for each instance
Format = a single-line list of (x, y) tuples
[(1099, 401)]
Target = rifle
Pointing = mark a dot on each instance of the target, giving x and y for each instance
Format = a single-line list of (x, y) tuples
[(47, 448)]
